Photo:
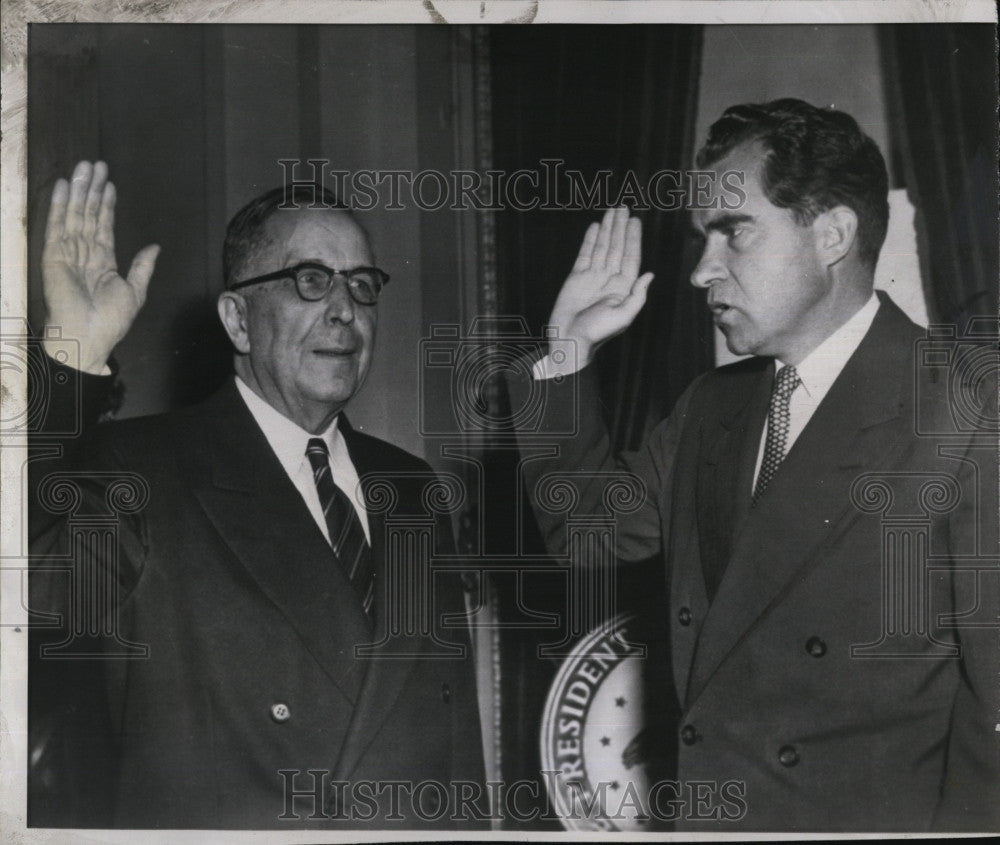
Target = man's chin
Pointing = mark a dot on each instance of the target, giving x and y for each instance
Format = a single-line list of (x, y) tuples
[(337, 395), (736, 345), (332, 393)]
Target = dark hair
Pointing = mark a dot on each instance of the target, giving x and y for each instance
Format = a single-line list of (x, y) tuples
[(245, 232), (815, 159)]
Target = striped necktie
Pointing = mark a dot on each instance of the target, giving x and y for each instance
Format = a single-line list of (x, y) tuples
[(778, 418), (346, 534)]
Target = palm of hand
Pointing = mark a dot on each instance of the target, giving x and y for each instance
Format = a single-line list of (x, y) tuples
[(84, 292), (593, 306), (85, 295), (603, 293)]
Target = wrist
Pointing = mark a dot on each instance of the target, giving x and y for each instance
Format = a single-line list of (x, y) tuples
[(83, 357), (564, 345), (570, 354), (565, 357)]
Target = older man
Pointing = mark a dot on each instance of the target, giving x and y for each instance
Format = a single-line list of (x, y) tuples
[(820, 661), (256, 571)]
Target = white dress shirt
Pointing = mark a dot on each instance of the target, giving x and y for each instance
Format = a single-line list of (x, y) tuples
[(818, 371), (289, 444)]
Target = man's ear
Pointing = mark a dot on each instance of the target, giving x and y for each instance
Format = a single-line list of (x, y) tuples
[(233, 314), (836, 231)]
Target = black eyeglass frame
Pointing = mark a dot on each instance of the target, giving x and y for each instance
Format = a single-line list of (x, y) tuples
[(293, 273)]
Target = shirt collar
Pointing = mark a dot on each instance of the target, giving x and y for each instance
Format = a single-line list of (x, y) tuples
[(820, 368), (287, 439)]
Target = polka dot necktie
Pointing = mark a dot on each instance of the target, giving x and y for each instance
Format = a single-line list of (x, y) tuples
[(778, 416), (346, 534)]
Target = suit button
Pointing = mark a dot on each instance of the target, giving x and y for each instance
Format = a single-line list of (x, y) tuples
[(445, 693), (816, 647), (689, 735), (280, 712), (788, 756), (684, 616)]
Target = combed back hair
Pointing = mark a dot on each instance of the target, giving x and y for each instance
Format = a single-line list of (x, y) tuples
[(246, 231), (815, 159)]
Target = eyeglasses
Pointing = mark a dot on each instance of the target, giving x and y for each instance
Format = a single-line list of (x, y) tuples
[(312, 281)]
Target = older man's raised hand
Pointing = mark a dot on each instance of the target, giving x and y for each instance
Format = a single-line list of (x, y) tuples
[(604, 292), (85, 296)]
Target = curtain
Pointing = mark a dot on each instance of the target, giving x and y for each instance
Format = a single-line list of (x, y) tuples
[(596, 99), (942, 86), (619, 99)]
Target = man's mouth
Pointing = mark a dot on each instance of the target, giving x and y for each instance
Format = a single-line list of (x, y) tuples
[(718, 308)]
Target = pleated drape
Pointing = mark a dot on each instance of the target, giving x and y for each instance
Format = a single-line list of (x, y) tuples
[(619, 99), (942, 85)]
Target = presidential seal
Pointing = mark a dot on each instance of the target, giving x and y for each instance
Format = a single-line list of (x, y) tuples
[(594, 733)]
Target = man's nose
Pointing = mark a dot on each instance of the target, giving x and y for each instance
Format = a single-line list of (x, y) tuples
[(339, 304), (709, 270)]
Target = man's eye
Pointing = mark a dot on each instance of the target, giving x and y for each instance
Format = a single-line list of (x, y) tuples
[(365, 284), (312, 279)]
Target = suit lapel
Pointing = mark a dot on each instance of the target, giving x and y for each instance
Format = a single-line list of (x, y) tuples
[(261, 516), (808, 506), (704, 528), (726, 476), (385, 676)]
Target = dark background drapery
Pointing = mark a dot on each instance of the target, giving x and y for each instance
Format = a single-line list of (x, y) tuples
[(942, 87), (621, 99)]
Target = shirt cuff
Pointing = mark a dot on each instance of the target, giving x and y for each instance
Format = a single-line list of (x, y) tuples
[(561, 361)]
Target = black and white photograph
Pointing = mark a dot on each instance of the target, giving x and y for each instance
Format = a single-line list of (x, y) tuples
[(490, 419)]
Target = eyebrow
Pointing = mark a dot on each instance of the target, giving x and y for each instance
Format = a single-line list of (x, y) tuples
[(721, 223)]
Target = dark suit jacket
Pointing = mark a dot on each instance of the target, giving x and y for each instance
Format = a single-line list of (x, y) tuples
[(251, 627), (823, 737)]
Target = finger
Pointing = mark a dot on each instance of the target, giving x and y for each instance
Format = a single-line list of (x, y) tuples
[(632, 304), (586, 248), (624, 311), (78, 187), (603, 239), (95, 192), (141, 271), (105, 233), (633, 249), (56, 222), (617, 243)]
